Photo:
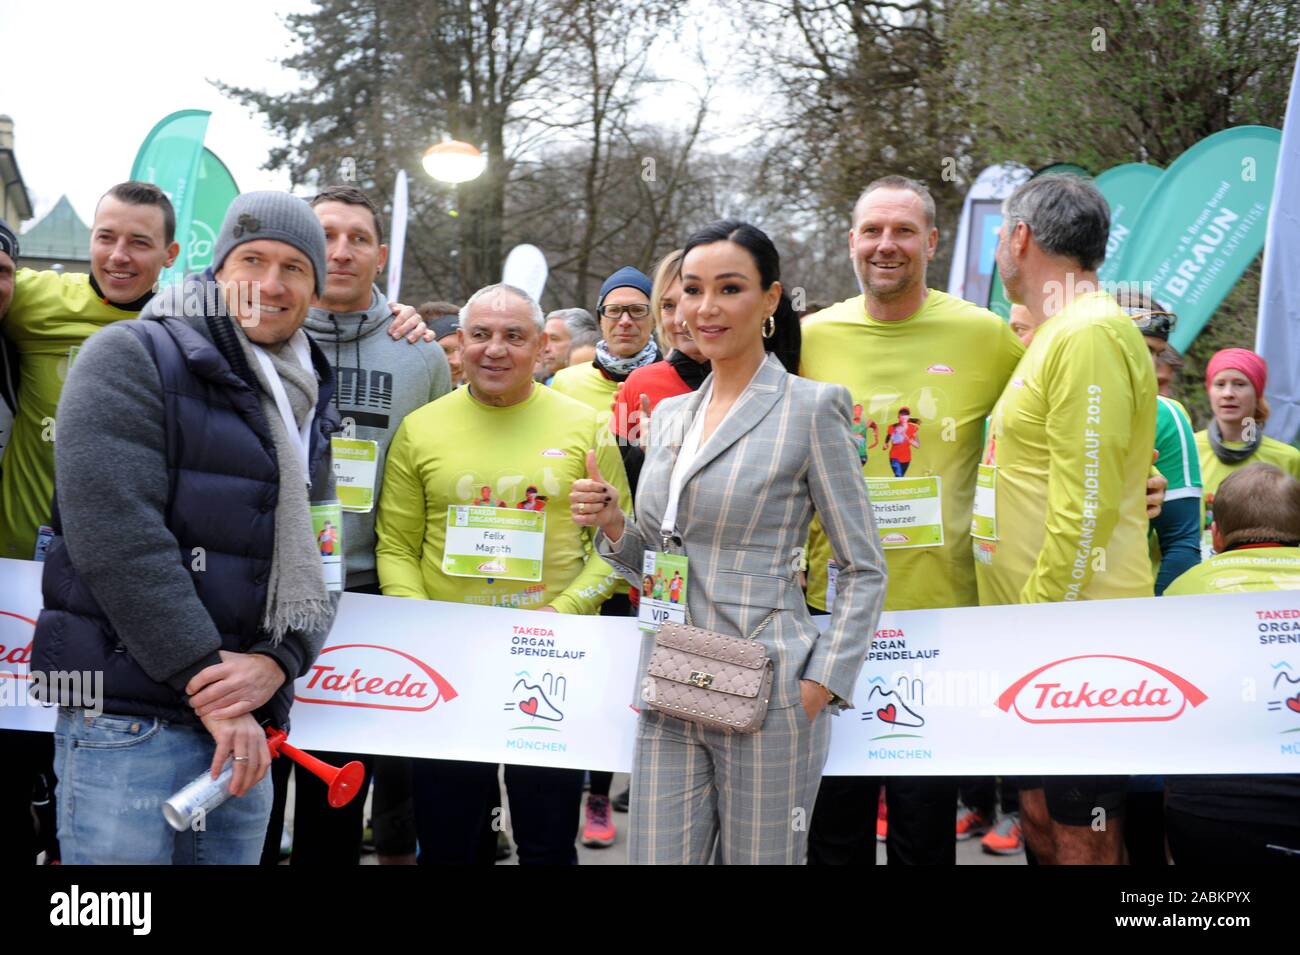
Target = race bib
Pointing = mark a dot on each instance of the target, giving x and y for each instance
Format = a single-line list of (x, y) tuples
[(44, 535), (984, 522), (663, 589), (355, 462), (494, 542), (327, 525), (909, 511)]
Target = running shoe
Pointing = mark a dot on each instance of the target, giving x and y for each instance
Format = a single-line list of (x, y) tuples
[(970, 824), (599, 830), (1005, 839)]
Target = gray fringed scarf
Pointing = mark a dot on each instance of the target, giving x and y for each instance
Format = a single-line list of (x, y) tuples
[(296, 598)]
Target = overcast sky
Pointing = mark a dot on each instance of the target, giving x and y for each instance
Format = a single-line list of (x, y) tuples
[(85, 81)]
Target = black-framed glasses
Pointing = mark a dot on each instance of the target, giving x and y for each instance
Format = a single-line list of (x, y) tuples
[(1151, 322), (637, 312)]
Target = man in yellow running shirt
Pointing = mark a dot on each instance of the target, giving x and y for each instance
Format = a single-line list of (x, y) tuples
[(928, 366), (450, 528), (1069, 448)]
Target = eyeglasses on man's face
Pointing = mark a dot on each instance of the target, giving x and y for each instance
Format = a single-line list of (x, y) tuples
[(637, 312)]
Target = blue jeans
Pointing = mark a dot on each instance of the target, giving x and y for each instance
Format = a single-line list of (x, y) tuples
[(115, 772)]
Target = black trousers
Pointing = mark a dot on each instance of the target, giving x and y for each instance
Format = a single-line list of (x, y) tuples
[(1198, 840), (454, 803), (322, 835), (983, 793), (619, 605), (28, 769), (392, 810), (921, 812), (1144, 828)]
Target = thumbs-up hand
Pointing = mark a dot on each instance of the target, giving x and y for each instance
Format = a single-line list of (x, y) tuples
[(594, 502)]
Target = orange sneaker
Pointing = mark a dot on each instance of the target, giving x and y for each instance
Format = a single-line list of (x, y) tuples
[(970, 824), (1005, 839), (882, 819)]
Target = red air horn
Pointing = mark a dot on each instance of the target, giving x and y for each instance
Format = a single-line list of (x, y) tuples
[(344, 782), (187, 808)]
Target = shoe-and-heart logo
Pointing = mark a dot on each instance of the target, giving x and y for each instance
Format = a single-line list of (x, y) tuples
[(540, 700)]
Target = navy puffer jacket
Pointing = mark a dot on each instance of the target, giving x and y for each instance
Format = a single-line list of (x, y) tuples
[(223, 487)]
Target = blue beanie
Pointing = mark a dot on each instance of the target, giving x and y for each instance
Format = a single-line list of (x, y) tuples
[(626, 277)]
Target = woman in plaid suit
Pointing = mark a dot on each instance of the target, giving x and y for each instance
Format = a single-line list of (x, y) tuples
[(733, 474)]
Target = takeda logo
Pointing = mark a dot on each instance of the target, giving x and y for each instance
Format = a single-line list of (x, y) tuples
[(1100, 688), (15, 645), (365, 675), (940, 370)]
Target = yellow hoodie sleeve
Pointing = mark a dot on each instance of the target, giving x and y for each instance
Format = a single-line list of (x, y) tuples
[(399, 523), (1089, 429), (597, 581)]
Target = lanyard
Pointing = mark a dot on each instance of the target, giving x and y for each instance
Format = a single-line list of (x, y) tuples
[(685, 458), (300, 437)]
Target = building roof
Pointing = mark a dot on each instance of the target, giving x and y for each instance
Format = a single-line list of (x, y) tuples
[(12, 181), (59, 235)]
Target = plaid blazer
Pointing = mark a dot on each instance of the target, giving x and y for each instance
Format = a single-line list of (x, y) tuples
[(783, 452)]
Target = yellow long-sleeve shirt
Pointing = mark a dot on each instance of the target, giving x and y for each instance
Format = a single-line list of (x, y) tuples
[(1071, 441), (457, 451)]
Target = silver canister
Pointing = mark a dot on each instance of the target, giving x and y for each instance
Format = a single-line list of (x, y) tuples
[(198, 798)]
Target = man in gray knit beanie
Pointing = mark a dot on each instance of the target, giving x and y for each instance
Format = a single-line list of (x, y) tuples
[(200, 431), (273, 217)]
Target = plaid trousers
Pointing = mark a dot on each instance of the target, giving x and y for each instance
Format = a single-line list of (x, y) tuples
[(701, 795)]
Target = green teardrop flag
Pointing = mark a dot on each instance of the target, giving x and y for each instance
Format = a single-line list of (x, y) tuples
[(998, 301), (1203, 224), (213, 194), (1125, 187), (169, 158)]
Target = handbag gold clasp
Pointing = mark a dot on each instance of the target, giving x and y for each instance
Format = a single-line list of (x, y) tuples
[(701, 679)]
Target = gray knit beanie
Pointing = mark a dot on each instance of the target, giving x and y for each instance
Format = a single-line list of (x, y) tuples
[(279, 217)]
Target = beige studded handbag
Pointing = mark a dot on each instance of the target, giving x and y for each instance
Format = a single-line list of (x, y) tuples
[(709, 678)]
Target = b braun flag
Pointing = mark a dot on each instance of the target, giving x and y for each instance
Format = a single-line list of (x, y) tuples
[(169, 158), (1277, 335), (1126, 188), (1202, 225), (397, 246)]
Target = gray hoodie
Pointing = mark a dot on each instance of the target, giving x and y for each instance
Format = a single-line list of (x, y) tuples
[(379, 382)]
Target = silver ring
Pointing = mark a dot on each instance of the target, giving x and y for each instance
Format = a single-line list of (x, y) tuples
[(240, 759)]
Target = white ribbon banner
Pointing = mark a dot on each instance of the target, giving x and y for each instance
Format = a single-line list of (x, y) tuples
[(1168, 685)]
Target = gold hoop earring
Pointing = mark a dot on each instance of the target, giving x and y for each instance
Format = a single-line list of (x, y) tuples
[(769, 326)]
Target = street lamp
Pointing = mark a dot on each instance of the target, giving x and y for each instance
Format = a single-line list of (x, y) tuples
[(454, 161)]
